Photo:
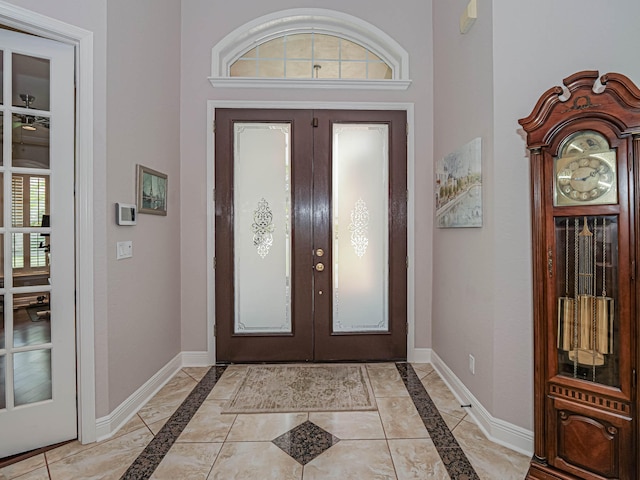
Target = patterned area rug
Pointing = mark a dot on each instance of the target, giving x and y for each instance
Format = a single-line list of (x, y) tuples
[(302, 388)]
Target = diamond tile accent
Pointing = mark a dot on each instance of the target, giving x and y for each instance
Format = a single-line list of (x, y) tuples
[(305, 442)]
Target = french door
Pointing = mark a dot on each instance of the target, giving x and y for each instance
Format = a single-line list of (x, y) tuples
[(37, 313), (310, 235)]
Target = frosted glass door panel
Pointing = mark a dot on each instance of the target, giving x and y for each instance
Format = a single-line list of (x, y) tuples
[(262, 226), (360, 227)]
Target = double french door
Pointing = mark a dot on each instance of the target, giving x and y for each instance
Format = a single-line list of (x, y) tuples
[(310, 235), (37, 267)]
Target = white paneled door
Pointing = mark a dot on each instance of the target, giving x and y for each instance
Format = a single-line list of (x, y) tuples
[(37, 281)]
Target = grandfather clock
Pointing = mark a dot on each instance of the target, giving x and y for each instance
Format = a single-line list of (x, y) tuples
[(584, 143)]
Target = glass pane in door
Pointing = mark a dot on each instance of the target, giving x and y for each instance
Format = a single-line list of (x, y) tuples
[(31, 319), (3, 390), (262, 227), (1, 138), (1, 76), (360, 190), (31, 82), (32, 376), (30, 141)]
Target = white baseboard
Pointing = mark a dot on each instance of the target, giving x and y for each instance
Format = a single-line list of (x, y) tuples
[(419, 355), (196, 359), (498, 431), (107, 426)]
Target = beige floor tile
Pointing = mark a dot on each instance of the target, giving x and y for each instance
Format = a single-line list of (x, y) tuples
[(168, 398), (39, 474), (25, 466), (66, 450), (155, 427), (386, 381), (208, 424), (191, 461), (442, 396), (417, 459), (489, 459), (400, 418), (197, 373), (254, 461), (264, 427), (451, 421), (422, 369), (74, 447), (227, 385), (105, 461), (352, 460), (350, 425)]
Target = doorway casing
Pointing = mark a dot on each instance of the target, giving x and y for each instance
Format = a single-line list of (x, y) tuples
[(212, 105)]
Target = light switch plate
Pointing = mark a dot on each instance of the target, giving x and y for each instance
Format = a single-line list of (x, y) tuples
[(124, 250)]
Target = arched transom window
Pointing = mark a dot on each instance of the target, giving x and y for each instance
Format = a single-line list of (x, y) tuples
[(309, 48), (311, 55)]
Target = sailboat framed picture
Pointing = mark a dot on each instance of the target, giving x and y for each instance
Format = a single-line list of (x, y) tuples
[(152, 191)]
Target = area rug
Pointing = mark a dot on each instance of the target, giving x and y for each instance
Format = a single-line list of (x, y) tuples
[(302, 388)]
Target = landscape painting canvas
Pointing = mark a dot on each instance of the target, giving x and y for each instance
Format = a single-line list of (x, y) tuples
[(458, 189)]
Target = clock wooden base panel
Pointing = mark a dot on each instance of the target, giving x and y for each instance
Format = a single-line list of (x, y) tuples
[(543, 472)]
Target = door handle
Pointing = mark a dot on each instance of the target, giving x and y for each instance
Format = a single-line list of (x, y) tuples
[(319, 267), (319, 252)]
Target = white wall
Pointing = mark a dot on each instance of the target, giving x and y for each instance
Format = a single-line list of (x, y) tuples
[(136, 108), (464, 258), (536, 45), (153, 306), (205, 23), (143, 127), (484, 82)]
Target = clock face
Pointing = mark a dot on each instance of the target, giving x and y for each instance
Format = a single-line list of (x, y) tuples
[(585, 171)]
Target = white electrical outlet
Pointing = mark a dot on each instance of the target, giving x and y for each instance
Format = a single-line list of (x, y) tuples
[(472, 364)]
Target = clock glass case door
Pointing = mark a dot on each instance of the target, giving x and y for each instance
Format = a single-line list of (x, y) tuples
[(587, 291)]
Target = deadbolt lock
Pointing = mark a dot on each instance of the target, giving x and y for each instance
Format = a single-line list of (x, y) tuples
[(319, 267), (319, 252)]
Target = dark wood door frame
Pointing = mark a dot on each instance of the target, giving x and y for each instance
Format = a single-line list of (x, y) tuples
[(310, 340)]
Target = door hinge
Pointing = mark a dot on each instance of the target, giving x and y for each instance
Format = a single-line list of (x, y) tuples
[(215, 329), (214, 263), (633, 270), (213, 126), (634, 379), (407, 196), (407, 130), (406, 261), (314, 123), (406, 328), (214, 195)]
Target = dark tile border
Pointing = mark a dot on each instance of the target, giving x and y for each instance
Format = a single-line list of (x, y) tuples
[(454, 459), (146, 463)]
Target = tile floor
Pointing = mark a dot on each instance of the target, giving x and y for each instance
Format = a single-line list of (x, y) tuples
[(182, 434)]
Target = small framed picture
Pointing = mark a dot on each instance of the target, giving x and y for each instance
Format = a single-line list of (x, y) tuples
[(152, 191)]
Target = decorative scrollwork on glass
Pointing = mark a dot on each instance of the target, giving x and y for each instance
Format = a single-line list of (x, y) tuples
[(359, 226), (262, 228)]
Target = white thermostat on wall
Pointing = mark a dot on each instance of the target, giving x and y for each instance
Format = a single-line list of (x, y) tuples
[(125, 214)]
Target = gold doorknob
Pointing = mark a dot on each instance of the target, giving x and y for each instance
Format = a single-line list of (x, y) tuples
[(319, 252), (319, 267)]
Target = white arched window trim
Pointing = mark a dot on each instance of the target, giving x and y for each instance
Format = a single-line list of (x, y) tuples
[(307, 20)]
